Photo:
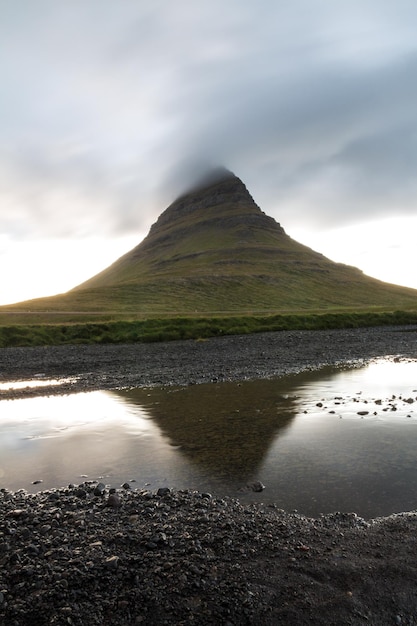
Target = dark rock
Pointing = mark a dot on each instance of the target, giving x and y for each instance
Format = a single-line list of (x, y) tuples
[(256, 486), (100, 489), (113, 501)]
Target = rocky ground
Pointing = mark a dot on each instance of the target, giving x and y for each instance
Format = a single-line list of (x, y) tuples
[(263, 355), (83, 556)]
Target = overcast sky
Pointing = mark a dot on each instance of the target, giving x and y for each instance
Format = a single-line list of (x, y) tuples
[(109, 110)]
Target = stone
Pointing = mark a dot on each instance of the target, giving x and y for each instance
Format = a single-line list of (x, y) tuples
[(17, 513), (114, 501), (256, 486), (100, 489), (112, 562)]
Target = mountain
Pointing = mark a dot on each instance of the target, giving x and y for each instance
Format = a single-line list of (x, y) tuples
[(214, 250)]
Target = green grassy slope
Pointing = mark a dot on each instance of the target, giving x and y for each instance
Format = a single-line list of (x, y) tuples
[(213, 251)]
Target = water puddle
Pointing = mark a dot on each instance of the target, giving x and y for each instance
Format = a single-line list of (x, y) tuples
[(319, 442), (33, 383)]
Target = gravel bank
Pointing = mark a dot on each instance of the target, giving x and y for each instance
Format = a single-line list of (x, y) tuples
[(235, 358), (72, 557), (82, 556)]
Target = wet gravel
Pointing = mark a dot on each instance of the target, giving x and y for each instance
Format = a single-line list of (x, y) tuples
[(85, 556)]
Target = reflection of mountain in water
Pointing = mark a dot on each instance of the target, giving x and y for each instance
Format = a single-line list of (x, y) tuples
[(225, 428)]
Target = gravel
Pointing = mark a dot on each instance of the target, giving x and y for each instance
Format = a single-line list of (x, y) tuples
[(233, 358), (85, 556), (71, 557)]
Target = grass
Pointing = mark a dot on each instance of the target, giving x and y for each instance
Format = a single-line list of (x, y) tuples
[(297, 289), (168, 329)]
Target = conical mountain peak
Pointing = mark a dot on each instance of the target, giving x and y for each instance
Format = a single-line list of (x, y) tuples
[(214, 251), (217, 196), (210, 177)]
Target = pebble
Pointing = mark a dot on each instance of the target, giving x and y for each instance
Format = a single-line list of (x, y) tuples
[(112, 562), (100, 489), (114, 501), (256, 486)]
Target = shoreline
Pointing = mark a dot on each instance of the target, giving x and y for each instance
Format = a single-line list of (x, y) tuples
[(180, 363), (68, 556)]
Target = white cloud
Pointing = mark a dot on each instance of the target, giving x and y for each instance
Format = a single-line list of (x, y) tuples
[(109, 108)]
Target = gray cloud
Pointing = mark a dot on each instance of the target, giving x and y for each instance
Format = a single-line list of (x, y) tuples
[(113, 109)]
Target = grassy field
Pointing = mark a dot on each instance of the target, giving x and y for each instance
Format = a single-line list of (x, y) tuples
[(197, 328)]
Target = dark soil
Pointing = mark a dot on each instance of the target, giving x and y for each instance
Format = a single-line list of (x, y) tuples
[(137, 557)]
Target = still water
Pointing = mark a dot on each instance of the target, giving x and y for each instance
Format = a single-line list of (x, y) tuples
[(323, 441)]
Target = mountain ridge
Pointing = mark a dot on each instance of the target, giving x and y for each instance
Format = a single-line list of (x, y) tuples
[(214, 250)]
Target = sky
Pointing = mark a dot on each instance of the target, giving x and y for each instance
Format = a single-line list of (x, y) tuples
[(110, 110)]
